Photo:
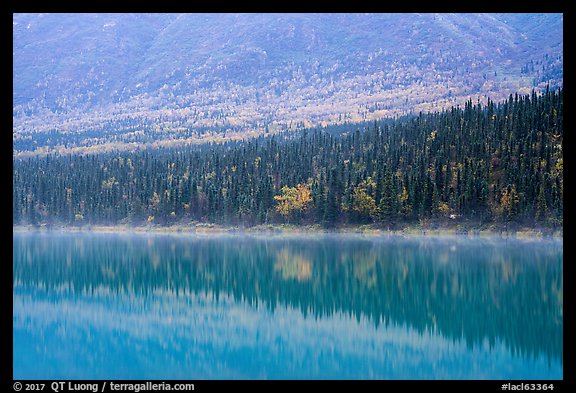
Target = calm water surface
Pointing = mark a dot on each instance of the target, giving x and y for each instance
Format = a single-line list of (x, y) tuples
[(122, 306)]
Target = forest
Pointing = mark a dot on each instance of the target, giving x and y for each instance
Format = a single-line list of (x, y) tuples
[(486, 163)]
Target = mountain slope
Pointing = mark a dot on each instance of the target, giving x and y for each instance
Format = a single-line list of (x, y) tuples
[(494, 164), (115, 80)]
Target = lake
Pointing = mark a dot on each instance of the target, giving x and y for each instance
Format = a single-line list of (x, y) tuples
[(152, 306)]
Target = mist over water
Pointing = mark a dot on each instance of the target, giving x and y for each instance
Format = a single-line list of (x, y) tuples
[(123, 306)]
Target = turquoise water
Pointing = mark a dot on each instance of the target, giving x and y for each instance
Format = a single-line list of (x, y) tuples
[(124, 306)]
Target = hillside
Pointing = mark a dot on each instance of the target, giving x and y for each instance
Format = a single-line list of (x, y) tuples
[(497, 164), (95, 82)]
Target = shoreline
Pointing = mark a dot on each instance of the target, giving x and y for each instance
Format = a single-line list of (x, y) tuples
[(302, 230)]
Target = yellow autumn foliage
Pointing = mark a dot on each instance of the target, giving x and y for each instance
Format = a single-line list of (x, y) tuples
[(293, 199)]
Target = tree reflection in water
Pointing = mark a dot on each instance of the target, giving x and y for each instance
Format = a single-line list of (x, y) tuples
[(481, 291)]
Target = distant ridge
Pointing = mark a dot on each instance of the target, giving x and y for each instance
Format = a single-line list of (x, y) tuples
[(117, 80)]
